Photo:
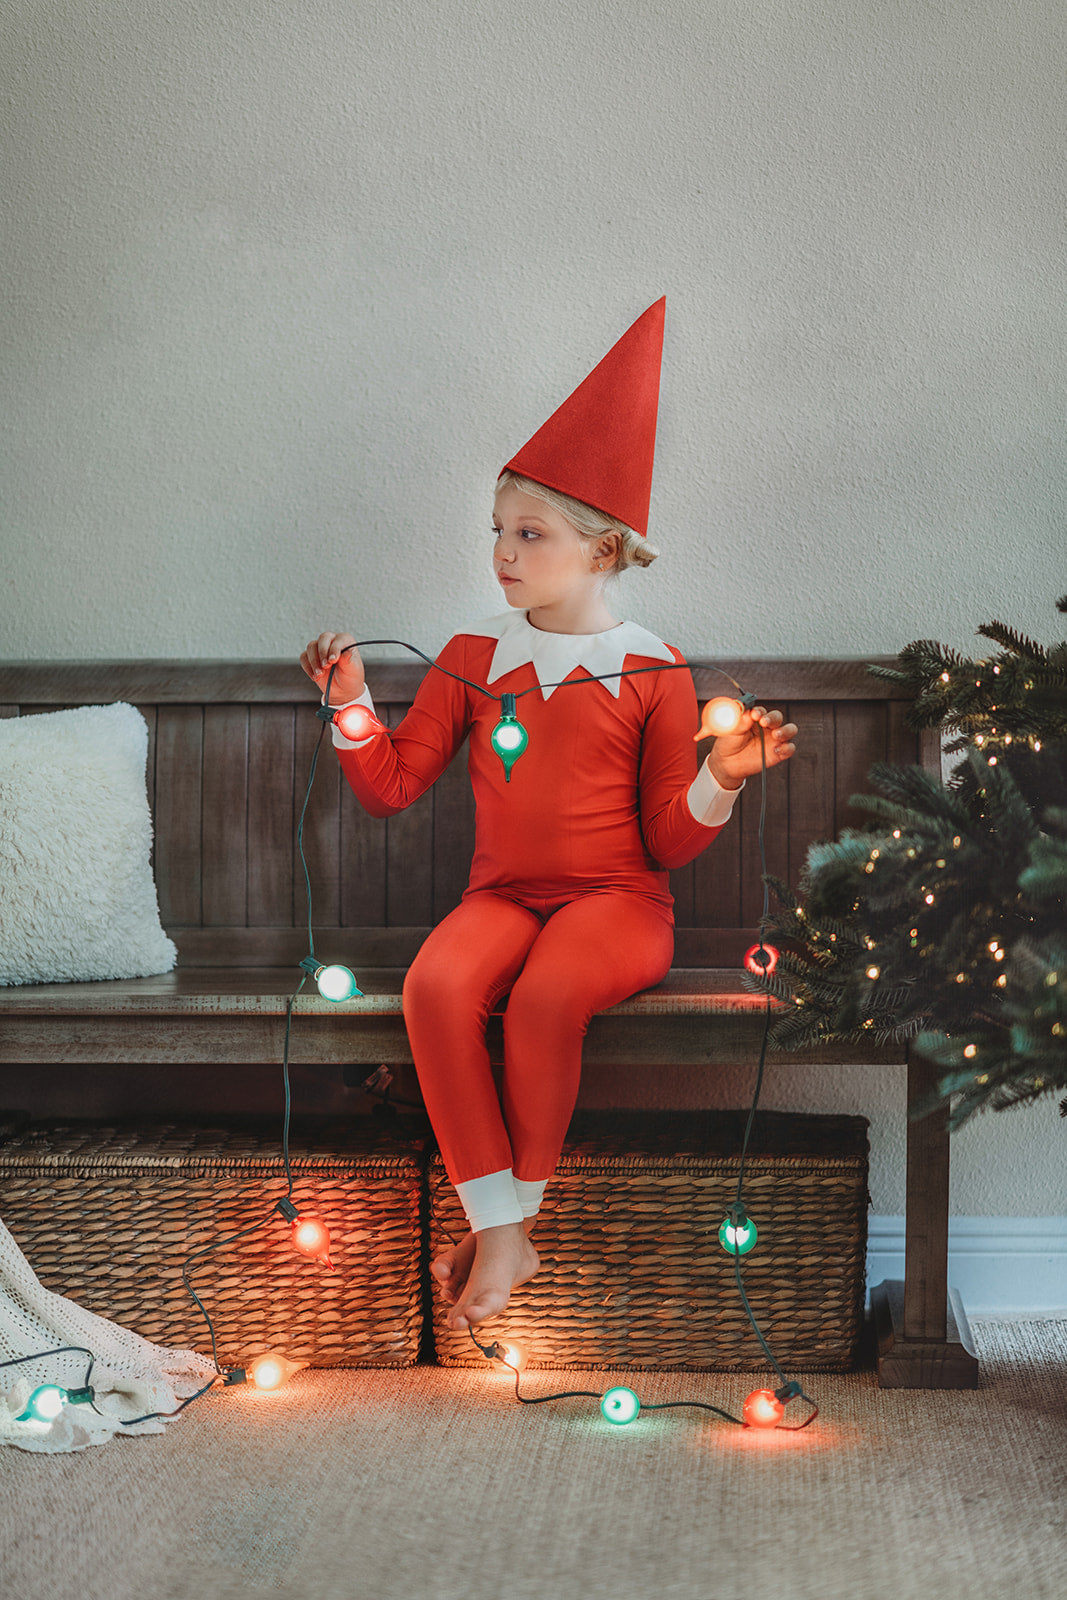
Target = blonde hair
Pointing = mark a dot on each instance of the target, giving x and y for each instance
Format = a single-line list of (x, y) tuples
[(589, 522)]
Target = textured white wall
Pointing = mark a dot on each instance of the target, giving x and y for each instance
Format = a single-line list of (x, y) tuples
[(282, 286)]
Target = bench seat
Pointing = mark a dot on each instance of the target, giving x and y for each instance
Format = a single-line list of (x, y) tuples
[(697, 1016)]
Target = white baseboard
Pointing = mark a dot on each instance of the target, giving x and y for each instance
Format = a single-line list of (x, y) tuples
[(1002, 1266)]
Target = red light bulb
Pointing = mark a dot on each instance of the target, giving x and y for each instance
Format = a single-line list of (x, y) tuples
[(720, 715), (358, 722), (761, 958), (762, 1409), (312, 1238)]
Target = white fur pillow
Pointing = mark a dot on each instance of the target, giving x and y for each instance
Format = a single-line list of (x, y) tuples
[(77, 899)]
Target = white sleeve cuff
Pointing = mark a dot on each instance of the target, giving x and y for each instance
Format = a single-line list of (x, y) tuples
[(490, 1202), (338, 737), (710, 804)]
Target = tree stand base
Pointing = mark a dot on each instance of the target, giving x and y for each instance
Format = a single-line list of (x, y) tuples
[(907, 1363)]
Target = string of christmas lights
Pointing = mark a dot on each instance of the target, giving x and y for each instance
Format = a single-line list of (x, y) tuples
[(763, 1408), (509, 738)]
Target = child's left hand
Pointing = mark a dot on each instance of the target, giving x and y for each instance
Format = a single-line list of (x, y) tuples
[(736, 756)]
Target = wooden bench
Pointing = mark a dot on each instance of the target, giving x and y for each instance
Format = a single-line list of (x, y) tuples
[(229, 754)]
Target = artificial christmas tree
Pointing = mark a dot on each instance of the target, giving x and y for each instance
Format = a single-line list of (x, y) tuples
[(943, 922)]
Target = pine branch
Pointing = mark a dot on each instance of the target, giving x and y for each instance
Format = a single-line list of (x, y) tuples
[(1016, 643)]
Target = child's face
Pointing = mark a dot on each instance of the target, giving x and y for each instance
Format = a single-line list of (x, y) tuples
[(538, 556)]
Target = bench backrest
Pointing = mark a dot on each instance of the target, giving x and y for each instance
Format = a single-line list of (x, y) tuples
[(230, 750)]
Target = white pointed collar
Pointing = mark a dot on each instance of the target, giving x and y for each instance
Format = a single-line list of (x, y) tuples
[(555, 655)]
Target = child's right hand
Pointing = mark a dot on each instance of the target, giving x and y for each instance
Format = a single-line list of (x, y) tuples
[(349, 679)]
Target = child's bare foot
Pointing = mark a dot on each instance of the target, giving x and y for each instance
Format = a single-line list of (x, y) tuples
[(452, 1267), (503, 1258)]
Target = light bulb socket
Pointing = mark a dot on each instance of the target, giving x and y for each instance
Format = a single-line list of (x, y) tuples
[(287, 1209), (761, 958)]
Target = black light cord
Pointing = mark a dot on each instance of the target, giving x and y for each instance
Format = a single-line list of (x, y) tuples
[(564, 683), (243, 1233), (496, 1352)]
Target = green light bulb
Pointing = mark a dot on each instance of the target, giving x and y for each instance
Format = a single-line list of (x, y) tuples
[(44, 1404), (509, 738), (620, 1405), (737, 1237), (335, 983)]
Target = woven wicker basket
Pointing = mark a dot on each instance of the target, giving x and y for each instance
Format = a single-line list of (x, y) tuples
[(108, 1215), (632, 1272)]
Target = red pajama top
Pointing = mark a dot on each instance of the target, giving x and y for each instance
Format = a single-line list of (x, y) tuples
[(600, 797)]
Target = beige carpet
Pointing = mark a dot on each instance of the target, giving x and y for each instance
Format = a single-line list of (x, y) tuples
[(437, 1484)]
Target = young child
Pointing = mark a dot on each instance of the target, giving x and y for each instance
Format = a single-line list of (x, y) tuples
[(567, 910)]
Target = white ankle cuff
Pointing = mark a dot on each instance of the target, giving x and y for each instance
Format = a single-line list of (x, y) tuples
[(490, 1202), (530, 1195)]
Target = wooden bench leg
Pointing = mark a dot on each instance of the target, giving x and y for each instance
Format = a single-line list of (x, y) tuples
[(923, 1338)]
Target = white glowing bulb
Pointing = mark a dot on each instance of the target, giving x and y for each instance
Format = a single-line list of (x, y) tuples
[(336, 983), (720, 715)]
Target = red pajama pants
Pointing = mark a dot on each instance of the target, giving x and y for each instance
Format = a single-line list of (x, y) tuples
[(562, 959)]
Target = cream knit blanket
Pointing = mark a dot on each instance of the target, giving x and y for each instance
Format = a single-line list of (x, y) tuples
[(130, 1375)]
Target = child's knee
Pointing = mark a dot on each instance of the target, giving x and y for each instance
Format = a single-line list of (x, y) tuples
[(559, 1006), (440, 993)]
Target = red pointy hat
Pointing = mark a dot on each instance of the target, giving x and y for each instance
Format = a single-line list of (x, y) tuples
[(598, 447)]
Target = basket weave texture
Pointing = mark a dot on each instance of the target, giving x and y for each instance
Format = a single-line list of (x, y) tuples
[(632, 1272), (107, 1216)]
